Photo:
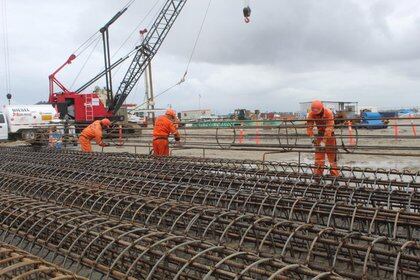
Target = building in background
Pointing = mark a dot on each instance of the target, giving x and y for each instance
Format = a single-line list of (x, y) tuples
[(195, 115)]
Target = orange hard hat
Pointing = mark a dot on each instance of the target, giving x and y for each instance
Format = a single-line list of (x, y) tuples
[(171, 112), (106, 122), (317, 107)]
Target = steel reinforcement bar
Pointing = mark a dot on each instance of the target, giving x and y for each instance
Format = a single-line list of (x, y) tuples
[(18, 264), (100, 247), (391, 199), (291, 242), (375, 178), (367, 220)]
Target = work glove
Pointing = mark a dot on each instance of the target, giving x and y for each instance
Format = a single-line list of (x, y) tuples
[(318, 144), (105, 145), (177, 138)]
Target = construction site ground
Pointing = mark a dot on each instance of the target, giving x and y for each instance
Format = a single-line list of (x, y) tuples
[(345, 159), (374, 161)]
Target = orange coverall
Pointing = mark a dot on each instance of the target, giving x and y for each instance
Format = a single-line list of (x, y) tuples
[(93, 131), (162, 129), (325, 126)]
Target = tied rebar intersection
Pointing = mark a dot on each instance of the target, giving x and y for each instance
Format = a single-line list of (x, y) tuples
[(122, 216)]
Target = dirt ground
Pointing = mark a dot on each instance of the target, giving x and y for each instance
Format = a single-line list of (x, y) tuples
[(384, 140), (372, 161)]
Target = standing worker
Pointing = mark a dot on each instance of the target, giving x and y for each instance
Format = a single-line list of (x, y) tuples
[(323, 118), (164, 126), (93, 131)]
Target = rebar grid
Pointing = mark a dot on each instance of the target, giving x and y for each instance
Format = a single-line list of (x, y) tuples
[(89, 169), (18, 264), (405, 179), (94, 213), (367, 220), (111, 249), (266, 236)]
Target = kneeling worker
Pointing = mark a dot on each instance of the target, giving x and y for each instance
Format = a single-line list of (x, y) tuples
[(164, 126), (323, 118), (93, 131)]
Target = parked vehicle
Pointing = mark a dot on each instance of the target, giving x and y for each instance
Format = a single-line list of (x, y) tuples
[(27, 122), (372, 120), (4, 132)]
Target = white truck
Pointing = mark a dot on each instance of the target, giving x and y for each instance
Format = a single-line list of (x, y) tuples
[(21, 122)]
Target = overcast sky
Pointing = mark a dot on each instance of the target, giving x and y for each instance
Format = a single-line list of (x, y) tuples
[(292, 51)]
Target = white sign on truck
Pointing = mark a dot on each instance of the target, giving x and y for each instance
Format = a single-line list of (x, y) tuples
[(22, 120), (4, 133)]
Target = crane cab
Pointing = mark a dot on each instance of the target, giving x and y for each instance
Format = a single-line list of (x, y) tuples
[(82, 108)]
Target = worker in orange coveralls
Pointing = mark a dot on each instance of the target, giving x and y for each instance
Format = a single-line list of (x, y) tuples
[(93, 131), (164, 126), (325, 141)]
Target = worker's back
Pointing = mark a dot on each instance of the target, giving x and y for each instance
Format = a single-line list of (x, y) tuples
[(163, 127), (94, 130)]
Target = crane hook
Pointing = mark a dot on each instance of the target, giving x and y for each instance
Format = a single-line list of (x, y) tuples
[(247, 14)]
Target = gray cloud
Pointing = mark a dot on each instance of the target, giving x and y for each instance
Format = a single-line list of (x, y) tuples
[(292, 51)]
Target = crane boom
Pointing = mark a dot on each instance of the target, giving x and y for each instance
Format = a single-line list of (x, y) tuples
[(81, 106), (147, 50)]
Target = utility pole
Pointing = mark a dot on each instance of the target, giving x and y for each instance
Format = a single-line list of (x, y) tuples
[(149, 96)]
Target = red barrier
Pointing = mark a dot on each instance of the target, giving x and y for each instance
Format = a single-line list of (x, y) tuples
[(257, 137), (352, 140), (120, 134), (413, 126), (396, 129), (241, 136)]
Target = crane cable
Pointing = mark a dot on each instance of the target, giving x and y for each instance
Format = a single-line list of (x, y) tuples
[(6, 47), (86, 44), (195, 43), (85, 62), (246, 3), (183, 78), (118, 68), (92, 39), (127, 39), (136, 28)]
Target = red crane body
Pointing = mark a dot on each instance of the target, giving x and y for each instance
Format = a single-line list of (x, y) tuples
[(82, 107)]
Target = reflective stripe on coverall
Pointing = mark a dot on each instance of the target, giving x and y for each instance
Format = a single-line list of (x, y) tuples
[(325, 126), (162, 129), (93, 131)]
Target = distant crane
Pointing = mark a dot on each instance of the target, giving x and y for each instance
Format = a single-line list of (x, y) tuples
[(85, 107)]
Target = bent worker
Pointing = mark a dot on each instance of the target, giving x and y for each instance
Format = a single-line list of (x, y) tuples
[(93, 131), (164, 126), (323, 118)]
